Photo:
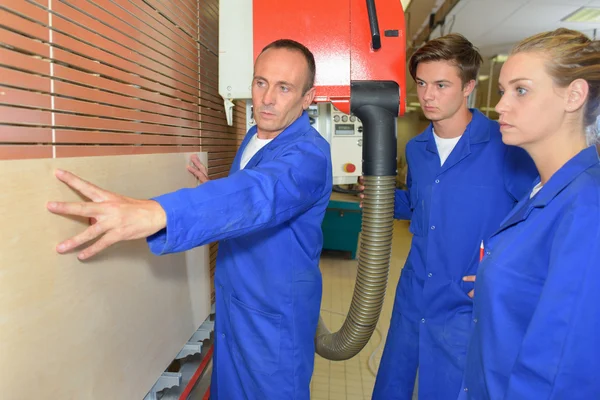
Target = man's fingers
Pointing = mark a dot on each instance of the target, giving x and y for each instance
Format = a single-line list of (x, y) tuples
[(79, 209), (198, 169), (102, 244), (197, 173), (90, 233), (197, 163), (203, 168), (87, 189), (470, 278)]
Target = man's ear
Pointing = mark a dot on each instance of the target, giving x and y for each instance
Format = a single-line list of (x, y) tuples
[(309, 96), (469, 87)]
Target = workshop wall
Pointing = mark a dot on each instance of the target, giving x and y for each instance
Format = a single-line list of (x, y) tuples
[(84, 78)]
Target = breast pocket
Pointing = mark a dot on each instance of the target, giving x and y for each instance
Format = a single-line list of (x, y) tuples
[(417, 207), (257, 337)]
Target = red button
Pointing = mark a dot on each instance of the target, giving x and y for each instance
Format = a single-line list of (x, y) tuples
[(349, 167)]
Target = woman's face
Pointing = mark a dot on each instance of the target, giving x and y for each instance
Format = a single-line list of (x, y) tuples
[(531, 107)]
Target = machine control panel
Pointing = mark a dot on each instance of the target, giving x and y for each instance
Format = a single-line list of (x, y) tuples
[(342, 131), (344, 134), (345, 125), (346, 147)]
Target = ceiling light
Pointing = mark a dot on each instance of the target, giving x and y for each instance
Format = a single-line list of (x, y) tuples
[(483, 78), (500, 58), (584, 14)]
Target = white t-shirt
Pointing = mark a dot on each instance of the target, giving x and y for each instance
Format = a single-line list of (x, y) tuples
[(254, 145), (445, 146), (535, 190)]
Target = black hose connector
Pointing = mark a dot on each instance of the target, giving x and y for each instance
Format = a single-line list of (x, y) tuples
[(376, 104)]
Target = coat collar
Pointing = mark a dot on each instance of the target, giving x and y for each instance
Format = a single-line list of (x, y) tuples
[(584, 160), (297, 128), (477, 131)]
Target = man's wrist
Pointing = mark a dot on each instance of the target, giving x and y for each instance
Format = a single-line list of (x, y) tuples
[(159, 215)]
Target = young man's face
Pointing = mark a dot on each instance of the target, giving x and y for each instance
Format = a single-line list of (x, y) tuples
[(440, 89), (278, 97)]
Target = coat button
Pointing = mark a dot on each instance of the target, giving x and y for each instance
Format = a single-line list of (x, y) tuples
[(475, 320), (466, 389), (423, 320), (433, 227), (437, 181), (489, 253), (430, 274)]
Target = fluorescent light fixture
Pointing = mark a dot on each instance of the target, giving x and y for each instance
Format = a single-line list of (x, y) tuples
[(584, 14), (500, 58), (417, 105), (483, 78)]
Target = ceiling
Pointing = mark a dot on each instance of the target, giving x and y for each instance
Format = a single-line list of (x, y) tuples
[(496, 26)]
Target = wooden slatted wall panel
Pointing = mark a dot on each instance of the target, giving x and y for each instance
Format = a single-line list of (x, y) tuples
[(96, 77)]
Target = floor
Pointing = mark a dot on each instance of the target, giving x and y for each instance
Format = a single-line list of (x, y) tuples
[(353, 379)]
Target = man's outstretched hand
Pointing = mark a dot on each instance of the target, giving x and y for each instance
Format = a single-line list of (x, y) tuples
[(114, 218)]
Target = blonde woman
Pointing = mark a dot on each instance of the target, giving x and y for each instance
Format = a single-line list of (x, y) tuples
[(537, 296)]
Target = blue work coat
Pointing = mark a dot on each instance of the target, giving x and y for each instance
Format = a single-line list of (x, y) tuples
[(537, 297), (268, 285), (452, 208)]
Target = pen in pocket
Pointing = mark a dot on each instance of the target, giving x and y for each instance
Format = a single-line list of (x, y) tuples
[(481, 251)]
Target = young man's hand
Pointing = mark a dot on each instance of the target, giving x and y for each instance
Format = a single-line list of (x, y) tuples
[(470, 278)]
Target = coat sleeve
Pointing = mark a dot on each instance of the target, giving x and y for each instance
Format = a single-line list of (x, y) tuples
[(402, 206), (519, 173), (558, 358), (248, 200)]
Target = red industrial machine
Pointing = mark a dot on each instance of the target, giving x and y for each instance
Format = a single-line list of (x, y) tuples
[(352, 41)]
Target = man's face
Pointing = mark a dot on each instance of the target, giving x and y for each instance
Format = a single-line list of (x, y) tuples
[(440, 89), (278, 98)]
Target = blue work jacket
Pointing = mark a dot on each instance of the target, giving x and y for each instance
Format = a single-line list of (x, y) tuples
[(537, 296), (452, 208), (268, 285)]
